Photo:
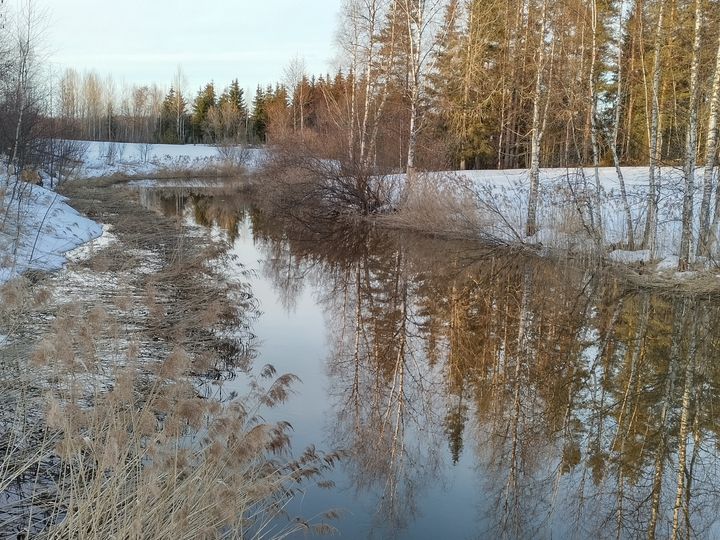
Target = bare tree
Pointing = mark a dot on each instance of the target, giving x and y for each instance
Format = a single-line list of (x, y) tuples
[(421, 19), (619, 99), (650, 234), (594, 130), (370, 60), (295, 76), (179, 84)]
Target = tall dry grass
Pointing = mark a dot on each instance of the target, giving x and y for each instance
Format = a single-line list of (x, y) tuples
[(442, 204), (114, 420)]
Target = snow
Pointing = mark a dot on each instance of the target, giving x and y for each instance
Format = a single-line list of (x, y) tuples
[(137, 159), (39, 229), (502, 199), (87, 249), (629, 257), (668, 263)]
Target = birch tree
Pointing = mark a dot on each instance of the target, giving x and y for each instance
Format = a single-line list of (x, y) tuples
[(531, 227), (691, 145), (592, 85), (711, 148), (620, 93), (420, 21), (360, 40), (650, 233), (295, 76)]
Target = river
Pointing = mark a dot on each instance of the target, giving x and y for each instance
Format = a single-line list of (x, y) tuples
[(475, 392)]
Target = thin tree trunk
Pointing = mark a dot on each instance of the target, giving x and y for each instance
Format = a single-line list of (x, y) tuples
[(615, 134), (679, 314), (650, 234), (683, 435), (531, 227), (691, 146), (593, 125), (711, 147)]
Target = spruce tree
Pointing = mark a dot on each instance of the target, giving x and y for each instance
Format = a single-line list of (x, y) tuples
[(204, 102), (259, 116), (172, 121)]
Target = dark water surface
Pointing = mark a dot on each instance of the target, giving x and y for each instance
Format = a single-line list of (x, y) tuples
[(477, 393)]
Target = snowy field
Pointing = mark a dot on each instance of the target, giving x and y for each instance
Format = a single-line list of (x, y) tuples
[(136, 159), (566, 195)]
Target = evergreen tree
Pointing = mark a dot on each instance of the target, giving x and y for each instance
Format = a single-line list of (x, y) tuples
[(259, 116), (234, 96), (204, 102), (172, 118), (229, 118)]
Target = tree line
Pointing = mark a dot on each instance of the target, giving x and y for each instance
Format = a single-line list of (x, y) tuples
[(438, 84), (460, 84), (93, 108)]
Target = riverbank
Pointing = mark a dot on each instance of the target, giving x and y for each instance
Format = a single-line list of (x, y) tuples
[(112, 376)]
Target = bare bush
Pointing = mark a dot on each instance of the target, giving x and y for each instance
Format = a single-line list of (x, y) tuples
[(145, 151), (62, 158), (442, 203), (113, 152), (297, 178), (233, 155)]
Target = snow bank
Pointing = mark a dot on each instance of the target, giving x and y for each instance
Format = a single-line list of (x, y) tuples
[(37, 229), (502, 198), (105, 159)]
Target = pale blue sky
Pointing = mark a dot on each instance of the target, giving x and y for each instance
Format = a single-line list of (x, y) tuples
[(141, 41)]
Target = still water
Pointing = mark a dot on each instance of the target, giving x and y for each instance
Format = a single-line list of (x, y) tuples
[(478, 393)]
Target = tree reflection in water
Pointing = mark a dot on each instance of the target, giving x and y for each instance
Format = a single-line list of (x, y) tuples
[(586, 408)]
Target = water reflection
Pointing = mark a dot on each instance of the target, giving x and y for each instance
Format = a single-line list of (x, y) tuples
[(575, 407)]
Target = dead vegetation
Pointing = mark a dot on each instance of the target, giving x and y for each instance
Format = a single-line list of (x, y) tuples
[(298, 180), (115, 420)]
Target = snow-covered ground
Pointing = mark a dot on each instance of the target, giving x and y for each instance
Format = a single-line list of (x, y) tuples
[(136, 159), (37, 229), (565, 198)]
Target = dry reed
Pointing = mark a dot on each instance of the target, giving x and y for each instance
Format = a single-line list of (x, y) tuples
[(106, 430)]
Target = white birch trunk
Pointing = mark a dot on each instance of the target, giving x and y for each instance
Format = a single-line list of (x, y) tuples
[(598, 231), (614, 143), (531, 226), (650, 234), (691, 146), (711, 148)]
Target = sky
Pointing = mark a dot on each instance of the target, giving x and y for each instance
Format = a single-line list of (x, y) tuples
[(144, 41)]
